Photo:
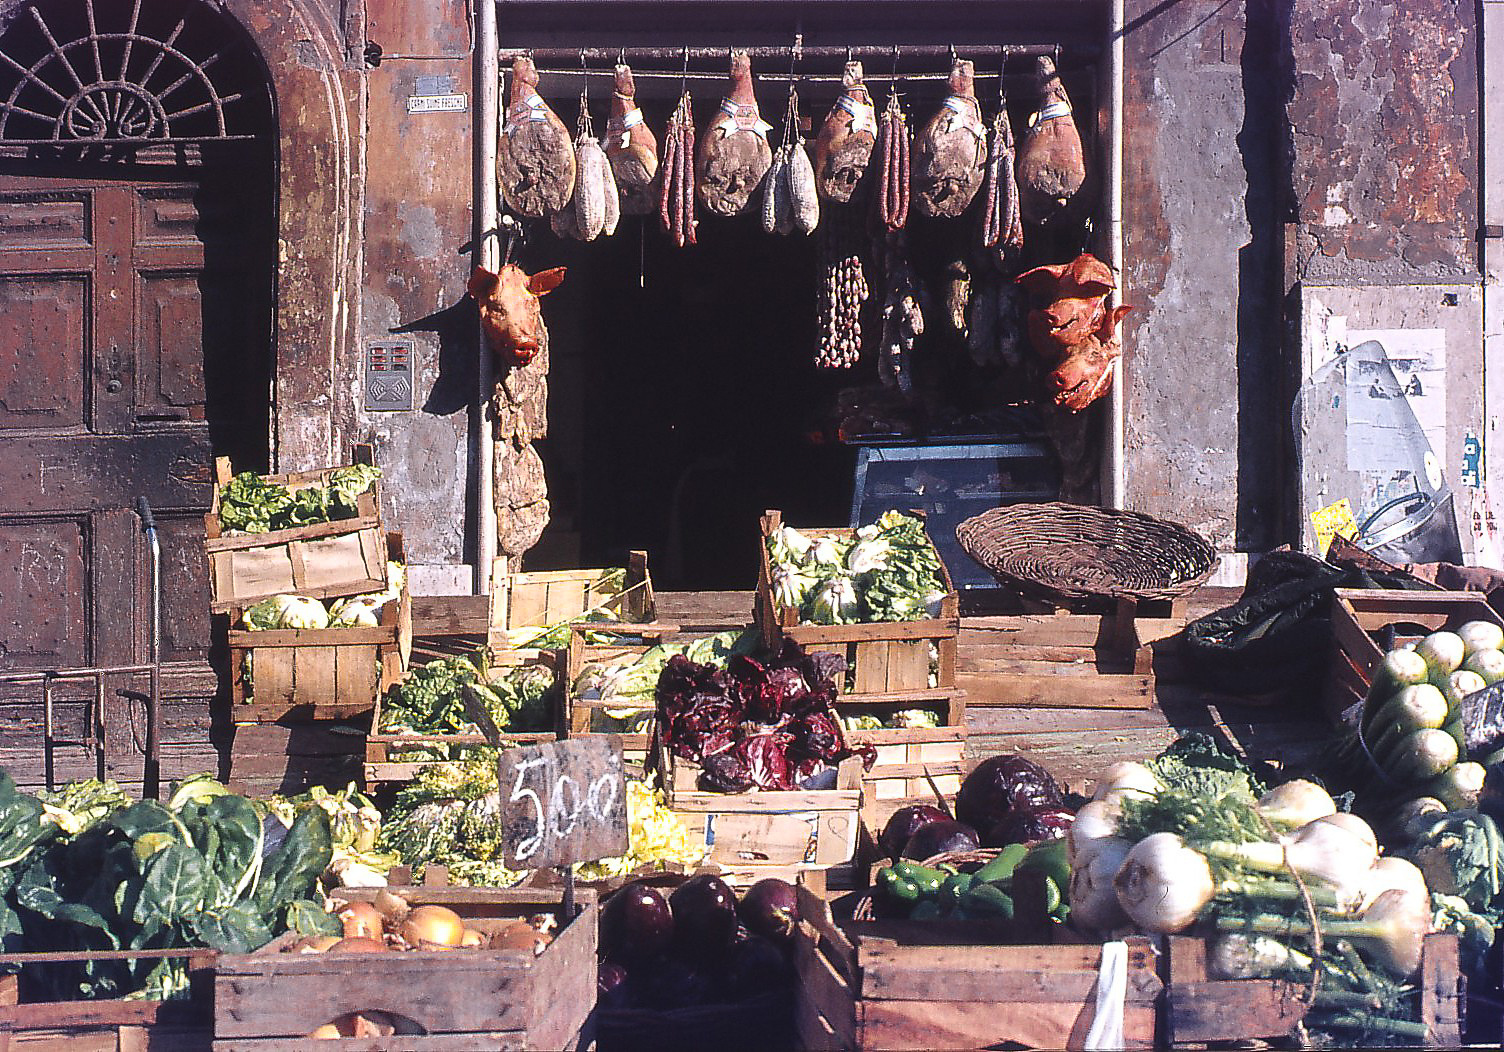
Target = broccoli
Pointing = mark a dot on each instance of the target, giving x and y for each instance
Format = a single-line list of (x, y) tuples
[(450, 815)]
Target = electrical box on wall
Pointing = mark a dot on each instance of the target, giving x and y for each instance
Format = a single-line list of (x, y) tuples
[(1388, 418), (389, 376)]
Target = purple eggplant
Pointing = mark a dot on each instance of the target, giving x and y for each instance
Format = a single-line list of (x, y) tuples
[(935, 838), (1029, 825), (770, 909), (704, 910), (904, 823), (755, 966), (666, 983), (1000, 784), (612, 990), (636, 923)]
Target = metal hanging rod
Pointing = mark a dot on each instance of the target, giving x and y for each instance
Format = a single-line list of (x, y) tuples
[(975, 52), (797, 78)]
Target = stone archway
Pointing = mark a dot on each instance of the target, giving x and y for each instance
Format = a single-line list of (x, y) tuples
[(318, 99)]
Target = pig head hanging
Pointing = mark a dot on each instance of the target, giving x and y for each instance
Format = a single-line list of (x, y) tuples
[(1072, 331), (510, 315)]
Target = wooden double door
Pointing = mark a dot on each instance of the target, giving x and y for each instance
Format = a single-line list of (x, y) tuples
[(136, 311)]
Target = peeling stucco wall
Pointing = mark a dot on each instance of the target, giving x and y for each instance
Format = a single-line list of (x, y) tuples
[(1384, 121), (1201, 251)]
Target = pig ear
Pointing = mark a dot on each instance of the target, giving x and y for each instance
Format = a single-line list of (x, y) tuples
[(1109, 322), (482, 283), (545, 281), (1042, 279), (1092, 275)]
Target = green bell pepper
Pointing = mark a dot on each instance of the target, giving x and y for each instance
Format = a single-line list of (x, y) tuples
[(954, 887), (1001, 867), (1049, 857), (987, 900), (908, 882)]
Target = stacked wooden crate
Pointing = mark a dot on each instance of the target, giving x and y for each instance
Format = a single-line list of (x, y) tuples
[(120, 1024), (1200, 1009), (301, 717), (463, 999), (892, 666), (770, 833), (891, 985)]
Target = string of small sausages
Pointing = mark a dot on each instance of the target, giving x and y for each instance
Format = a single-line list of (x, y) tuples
[(1002, 222), (676, 190), (893, 156)]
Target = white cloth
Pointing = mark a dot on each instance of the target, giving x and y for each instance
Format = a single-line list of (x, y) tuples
[(1106, 1030)]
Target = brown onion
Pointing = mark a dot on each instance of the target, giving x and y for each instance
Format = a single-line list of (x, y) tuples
[(360, 918), (392, 907), (472, 938), (433, 924), (313, 944)]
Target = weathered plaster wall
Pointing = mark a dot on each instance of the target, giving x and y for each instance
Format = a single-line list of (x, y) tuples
[(1201, 248), (417, 224), (1384, 120)]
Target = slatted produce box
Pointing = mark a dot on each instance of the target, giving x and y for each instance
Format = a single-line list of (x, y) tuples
[(385, 763), (461, 999), (912, 762), (889, 660), (324, 673), (897, 985), (320, 561), (769, 833), (108, 1025), (549, 597), (1200, 1009), (1359, 613), (581, 714)]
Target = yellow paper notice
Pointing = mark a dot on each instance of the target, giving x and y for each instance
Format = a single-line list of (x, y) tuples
[(1332, 521)]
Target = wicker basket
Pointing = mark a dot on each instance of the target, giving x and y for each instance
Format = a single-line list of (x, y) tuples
[(1069, 552)]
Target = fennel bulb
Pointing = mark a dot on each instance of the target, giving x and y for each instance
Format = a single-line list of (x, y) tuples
[(1295, 803), (1093, 897), (1163, 885)]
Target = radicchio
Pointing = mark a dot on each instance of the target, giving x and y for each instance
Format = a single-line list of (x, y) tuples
[(766, 723)]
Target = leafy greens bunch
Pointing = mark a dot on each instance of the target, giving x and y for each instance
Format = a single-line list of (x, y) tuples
[(251, 503), (431, 700), (887, 571), (207, 868)]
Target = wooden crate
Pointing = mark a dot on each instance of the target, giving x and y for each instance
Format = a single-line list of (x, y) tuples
[(549, 597), (1064, 660), (325, 673), (579, 713), (384, 764), (896, 985), (320, 561), (1200, 1009), (889, 660), (464, 999), (769, 833), (905, 755), (108, 1025), (1357, 612)]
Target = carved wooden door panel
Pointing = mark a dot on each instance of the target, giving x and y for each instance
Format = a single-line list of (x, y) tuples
[(136, 298)]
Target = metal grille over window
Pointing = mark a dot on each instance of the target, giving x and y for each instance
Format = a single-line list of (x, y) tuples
[(126, 73)]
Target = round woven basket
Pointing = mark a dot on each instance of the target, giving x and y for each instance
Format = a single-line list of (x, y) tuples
[(1068, 552)]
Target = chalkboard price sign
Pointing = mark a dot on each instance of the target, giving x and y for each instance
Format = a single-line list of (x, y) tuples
[(563, 802)]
